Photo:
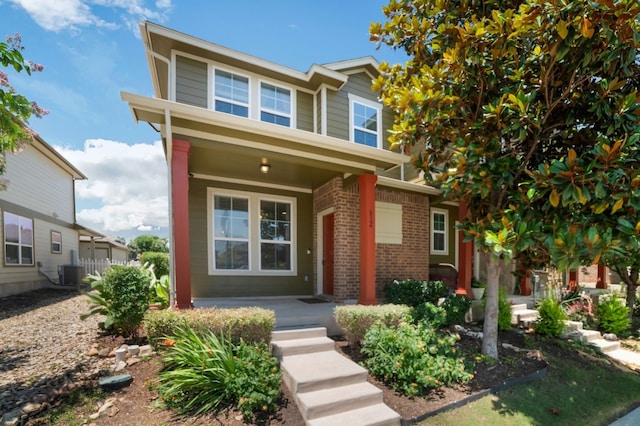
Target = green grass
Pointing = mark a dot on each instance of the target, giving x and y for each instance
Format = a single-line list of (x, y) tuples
[(75, 408), (582, 394)]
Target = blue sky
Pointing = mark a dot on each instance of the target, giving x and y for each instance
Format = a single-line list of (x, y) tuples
[(91, 51)]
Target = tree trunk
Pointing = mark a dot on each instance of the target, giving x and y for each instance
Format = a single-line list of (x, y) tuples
[(490, 328), (630, 279)]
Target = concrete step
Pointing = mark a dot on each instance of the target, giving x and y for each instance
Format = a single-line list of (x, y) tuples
[(573, 326), (375, 415), (518, 307), (320, 370), (326, 402), (585, 335), (299, 333), (310, 345), (524, 316), (605, 346), (625, 356)]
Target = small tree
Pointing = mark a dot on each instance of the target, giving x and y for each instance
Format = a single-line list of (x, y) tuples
[(145, 243), (15, 109)]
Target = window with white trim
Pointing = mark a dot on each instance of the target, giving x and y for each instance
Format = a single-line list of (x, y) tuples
[(275, 104), (56, 242), (439, 219), (365, 121), (231, 93), (247, 226), (18, 240)]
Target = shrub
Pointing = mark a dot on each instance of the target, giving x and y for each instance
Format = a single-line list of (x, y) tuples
[(415, 292), (253, 325), (159, 291), (412, 358), (504, 311), (160, 262), (456, 307), (613, 316), (122, 295), (579, 308), (203, 372), (355, 320), (551, 320), (428, 313)]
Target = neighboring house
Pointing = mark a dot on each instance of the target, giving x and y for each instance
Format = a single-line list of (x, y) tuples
[(282, 182), (102, 248), (39, 229)]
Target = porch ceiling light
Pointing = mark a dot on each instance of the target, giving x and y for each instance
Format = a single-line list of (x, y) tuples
[(264, 166)]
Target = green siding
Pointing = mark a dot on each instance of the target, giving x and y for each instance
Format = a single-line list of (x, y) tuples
[(205, 285), (191, 82), (338, 114), (304, 111), (451, 235)]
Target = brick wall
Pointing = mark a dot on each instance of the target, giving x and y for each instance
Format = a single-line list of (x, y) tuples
[(393, 261)]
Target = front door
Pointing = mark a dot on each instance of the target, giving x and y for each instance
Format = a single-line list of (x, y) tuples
[(327, 254)]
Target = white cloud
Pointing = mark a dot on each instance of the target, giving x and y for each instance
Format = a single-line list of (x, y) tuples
[(57, 15), (127, 183)]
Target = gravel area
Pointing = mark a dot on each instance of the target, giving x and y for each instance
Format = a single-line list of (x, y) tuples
[(43, 349)]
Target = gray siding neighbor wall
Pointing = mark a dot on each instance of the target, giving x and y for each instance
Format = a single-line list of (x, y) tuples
[(191, 82)]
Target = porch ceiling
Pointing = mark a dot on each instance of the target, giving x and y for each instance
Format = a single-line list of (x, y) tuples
[(225, 146)]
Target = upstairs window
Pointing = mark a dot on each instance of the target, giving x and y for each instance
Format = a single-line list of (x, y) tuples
[(275, 104), (365, 120), (18, 240), (439, 231), (231, 93)]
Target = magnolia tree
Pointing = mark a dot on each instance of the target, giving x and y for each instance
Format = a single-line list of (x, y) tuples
[(15, 109), (496, 99)]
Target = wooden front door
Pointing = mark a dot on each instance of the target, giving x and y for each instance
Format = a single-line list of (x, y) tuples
[(327, 254)]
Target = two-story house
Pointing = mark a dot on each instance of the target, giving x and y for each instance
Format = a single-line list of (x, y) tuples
[(281, 181), (37, 207)]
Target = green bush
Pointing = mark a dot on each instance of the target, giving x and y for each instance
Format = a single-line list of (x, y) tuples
[(253, 325), (428, 313), (160, 262), (551, 320), (355, 320), (203, 372), (613, 316), (122, 295), (413, 358), (415, 292), (456, 307), (504, 312)]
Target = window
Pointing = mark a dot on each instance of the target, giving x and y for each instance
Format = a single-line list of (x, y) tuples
[(275, 105), (56, 242), (439, 231), (365, 122), (275, 235), (231, 232), (18, 240), (253, 234), (231, 93)]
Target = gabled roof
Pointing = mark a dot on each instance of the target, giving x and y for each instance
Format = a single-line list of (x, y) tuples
[(160, 41)]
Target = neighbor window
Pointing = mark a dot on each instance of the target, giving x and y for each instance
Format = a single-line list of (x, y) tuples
[(231, 232), (275, 104), (231, 93), (247, 226), (56, 242), (18, 240), (365, 122), (439, 231)]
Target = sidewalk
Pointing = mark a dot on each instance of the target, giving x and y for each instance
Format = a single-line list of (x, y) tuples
[(631, 419)]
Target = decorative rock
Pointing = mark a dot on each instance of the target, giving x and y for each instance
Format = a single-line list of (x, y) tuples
[(132, 361), (93, 352), (145, 350), (535, 354), (112, 353), (105, 353), (30, 407), (120, 365), (610, 337), (133, 350), (11, 418)]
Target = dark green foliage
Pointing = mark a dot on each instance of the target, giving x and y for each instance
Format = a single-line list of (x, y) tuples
[(457, 307), (613, 316), (415, 292), (145, 243), (122, 295), (203, 373), (413, 358), (552, 317), (435, 316), (159, 260), (504, 311)]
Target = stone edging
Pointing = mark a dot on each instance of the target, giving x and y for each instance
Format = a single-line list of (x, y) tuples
[(471, 398)]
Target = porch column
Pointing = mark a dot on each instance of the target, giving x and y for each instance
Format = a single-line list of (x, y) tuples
[(180, 219), (573, 279), (465, 257), (367, 185), (602, 276)]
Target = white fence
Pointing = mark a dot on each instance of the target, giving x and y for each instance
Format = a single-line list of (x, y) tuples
[(91, 266)]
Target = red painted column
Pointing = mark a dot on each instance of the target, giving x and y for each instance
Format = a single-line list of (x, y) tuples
[(367, 184), (180, 220), (465, 257), (573, 279), (602, 276)]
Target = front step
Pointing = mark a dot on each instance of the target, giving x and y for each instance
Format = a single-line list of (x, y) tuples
[(290, 347), (376, 415), (331, 401), (320, 370), (300, 333), (605, 346)]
